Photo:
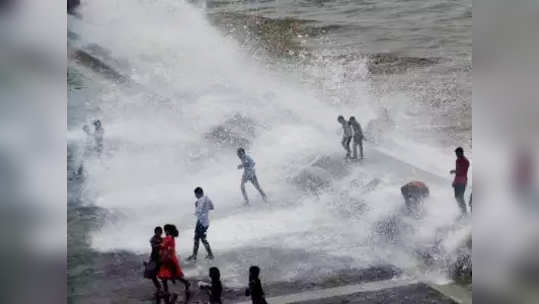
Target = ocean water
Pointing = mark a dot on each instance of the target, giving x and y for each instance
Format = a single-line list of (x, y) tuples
[(186, 83)]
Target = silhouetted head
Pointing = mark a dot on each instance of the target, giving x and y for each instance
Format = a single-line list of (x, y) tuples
[(254, 272), (97, 123), (459, 152), (241, 152), (352, 118), (158, 231), (215, 274), (171, 230), (340, 119), (199, 192)]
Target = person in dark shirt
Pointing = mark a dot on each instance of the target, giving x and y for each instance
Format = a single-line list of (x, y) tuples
[(215, 288), (155, 242), (357, 138), (255, 287), (461, 178)]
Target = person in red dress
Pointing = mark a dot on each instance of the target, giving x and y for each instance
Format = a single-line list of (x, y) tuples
[(461, 178), (170, 269)]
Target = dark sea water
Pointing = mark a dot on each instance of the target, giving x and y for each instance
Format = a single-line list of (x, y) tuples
[(413, 28), (423, 48)]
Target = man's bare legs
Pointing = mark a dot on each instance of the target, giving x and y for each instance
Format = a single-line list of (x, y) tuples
[(255, 183), (257, 186), (346, 145), (357, 142), (243, 192)]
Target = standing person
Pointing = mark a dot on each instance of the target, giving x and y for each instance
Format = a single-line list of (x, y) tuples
[(358, 137), (249, 174), (461, 178), (255, 287), (215, 288), (203, 205), (98, 136), (346, 136), (152, 267), (169, 269)]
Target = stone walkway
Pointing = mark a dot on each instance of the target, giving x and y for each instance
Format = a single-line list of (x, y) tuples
[(387, 291)]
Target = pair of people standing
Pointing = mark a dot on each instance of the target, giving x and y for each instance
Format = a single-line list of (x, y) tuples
[(351, 131)]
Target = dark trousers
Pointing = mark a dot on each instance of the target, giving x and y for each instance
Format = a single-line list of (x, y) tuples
[(358, 141), (200, 235), (346, 145), (459, 196)]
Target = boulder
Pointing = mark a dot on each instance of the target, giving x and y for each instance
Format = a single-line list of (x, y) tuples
[(313, 179), (235, 132)]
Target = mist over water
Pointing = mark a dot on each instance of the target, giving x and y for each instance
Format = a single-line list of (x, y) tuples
[(195, 95)]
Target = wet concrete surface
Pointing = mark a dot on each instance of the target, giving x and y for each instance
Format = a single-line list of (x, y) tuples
[(412, 294)]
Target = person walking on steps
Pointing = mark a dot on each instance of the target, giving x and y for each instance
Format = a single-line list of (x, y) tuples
[(347, 135), (249, 175), (358, 138), (461, 178), (203, 205)]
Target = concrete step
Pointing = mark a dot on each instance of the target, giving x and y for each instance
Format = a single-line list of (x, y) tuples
[(457, 293), (337, 291), (387, 291)]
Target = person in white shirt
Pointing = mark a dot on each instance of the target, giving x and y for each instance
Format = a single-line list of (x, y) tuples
[(203, 205)]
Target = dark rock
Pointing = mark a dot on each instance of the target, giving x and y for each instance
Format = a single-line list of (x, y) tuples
[(313, 179), (392, 63), (72, 5), (333, 165), (96, 64), (461, 270), (234, 132), (392, 229)]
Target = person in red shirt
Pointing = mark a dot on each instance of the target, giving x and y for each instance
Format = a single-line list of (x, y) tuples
[(461, 178)]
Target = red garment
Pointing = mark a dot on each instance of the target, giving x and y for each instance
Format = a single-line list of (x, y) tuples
[(417, 184), (461, 171), (170, 266)]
